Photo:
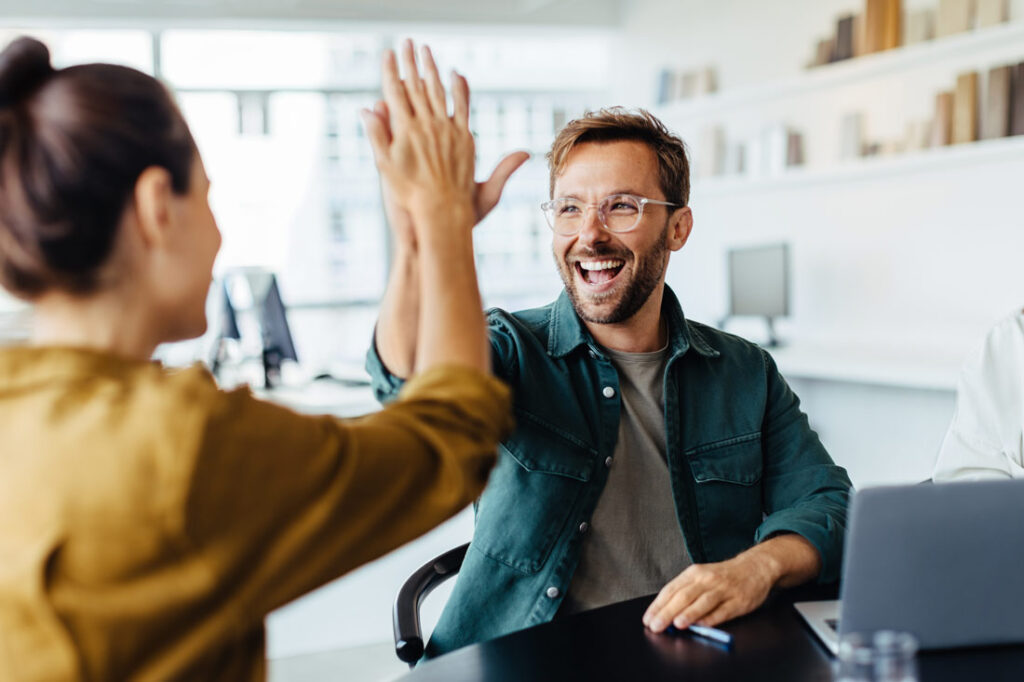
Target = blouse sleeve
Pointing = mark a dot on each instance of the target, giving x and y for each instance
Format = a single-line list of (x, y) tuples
[(984, 438), (281, 503)]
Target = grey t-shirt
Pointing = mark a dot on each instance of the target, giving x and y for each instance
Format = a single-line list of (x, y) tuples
[(634, 545)]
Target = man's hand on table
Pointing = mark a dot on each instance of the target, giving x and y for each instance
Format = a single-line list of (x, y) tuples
[(710, 594)]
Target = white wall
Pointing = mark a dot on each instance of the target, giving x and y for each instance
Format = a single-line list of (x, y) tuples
[(890, 256)]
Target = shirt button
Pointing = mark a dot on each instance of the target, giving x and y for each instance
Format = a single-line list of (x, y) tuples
[(608, 392), (593, 353), (553, 592), (608, 461), (584, 526)]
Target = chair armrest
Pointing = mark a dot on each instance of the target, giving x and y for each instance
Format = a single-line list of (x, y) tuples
[(408, 635)]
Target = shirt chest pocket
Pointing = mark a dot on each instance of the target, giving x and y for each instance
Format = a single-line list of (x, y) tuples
[(728, 486), (533, 489)]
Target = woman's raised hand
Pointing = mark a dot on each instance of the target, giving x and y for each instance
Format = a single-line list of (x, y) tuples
[(425, 156)]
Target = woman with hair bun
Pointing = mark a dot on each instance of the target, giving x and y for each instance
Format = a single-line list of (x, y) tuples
[(148, 520)]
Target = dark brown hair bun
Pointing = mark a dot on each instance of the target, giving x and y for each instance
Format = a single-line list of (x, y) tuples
[(24, 66), (73, 143)]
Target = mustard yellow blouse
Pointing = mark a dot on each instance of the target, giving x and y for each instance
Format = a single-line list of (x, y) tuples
[(149, 521)]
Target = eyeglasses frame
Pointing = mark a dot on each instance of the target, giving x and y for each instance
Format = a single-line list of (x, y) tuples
[(642, 201)]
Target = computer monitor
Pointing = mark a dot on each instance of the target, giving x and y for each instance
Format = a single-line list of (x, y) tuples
[(225, 325), (273, 322), (759, 283)]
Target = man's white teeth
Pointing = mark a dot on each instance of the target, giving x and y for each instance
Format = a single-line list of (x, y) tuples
[(601, 264)]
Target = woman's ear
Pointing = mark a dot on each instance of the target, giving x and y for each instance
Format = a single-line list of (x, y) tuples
[(680, 225), (152, 206)]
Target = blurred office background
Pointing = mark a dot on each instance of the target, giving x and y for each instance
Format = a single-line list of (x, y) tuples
[(813, 123)]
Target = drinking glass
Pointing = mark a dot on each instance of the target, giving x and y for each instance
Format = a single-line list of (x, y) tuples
[(886, 656)]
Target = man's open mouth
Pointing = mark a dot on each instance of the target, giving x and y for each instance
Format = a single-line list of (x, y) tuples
[(599, 272)]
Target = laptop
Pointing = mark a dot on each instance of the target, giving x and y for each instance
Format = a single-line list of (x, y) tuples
[(942, 562)]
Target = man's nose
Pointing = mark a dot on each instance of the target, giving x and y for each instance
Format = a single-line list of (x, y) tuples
[(592, 230)]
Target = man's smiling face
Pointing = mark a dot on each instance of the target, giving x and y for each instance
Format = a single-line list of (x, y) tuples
[(610, 276)]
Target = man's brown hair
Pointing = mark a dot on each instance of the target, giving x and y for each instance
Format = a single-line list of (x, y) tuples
[(615, 124)]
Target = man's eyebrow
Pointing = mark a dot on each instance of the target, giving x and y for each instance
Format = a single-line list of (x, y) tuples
[(610, 194)]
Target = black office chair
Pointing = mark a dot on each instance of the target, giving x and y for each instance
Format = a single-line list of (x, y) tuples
[(408, 634)]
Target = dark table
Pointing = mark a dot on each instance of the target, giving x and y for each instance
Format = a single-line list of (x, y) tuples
[(611, 643)]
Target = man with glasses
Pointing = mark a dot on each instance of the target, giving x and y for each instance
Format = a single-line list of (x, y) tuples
[(652, 453)]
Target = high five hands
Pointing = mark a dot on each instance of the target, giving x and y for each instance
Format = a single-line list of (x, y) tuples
[(413, 137)]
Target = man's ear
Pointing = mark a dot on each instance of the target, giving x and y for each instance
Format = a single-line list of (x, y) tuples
[(679, 227), (153, 210)]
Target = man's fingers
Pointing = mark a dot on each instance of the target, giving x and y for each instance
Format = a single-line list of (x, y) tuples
[(435, 90), (680, 598), (727, 610), (460, 97), (699, 608), (489, 191), (394, 92), (666, 594), (413, 83), (658, 604), (380, 108)]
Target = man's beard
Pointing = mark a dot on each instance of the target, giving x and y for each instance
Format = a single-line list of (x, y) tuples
[(649, 268)]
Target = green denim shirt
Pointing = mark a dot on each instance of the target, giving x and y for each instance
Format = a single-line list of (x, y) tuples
[(743, 461)]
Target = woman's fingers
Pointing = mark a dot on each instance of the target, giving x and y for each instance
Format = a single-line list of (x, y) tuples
[(413, 83), (395, 94), (460, 95), (435, 90)]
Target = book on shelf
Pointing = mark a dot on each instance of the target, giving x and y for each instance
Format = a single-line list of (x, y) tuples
[(942, 124), (844, 39), (686, 84), (859, 46), (736, 159), (954, 17), (965, 108), (852, 131), (882, 25), (707, 80), (794, 149), (824, 52), (1017, 106), (992, 12), (711, 160), (919, 26), (995, 121), (917, 136), (665, 86)]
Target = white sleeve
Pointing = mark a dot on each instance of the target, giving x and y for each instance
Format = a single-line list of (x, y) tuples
[(984, 438)]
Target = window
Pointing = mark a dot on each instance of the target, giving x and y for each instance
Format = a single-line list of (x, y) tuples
[(276, 118)]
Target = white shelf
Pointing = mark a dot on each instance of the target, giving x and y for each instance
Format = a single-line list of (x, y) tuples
[(851, 70), (915, 368), (928, 160)]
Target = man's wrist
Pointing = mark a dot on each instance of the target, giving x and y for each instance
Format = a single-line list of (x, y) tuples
[(791, 557)]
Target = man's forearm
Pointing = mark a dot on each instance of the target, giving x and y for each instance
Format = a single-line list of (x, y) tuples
[(398, 324), (788, 559), (451, 324)]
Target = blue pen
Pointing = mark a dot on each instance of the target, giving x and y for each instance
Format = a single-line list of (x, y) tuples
[(715, 634)]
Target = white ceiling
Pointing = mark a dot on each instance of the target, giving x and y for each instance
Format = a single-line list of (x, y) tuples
[(575, 12)]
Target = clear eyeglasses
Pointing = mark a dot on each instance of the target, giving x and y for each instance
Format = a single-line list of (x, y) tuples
[(617, 212)]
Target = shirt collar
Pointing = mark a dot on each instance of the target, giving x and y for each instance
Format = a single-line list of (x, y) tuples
[(567, 331)]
